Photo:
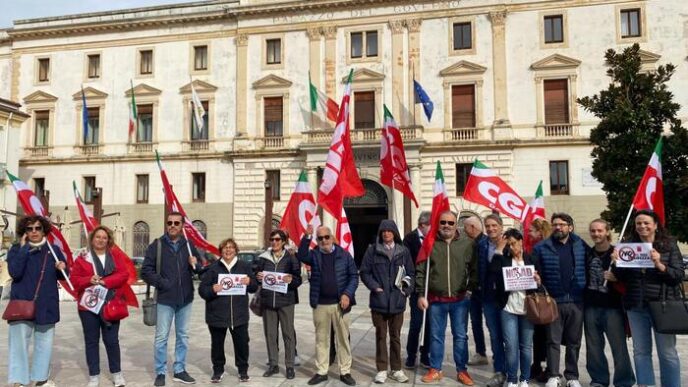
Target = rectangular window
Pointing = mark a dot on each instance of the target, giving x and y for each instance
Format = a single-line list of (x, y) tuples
[(363, 42), (559, 177), (199, 135), (91, 136), (274, 51), (273, 116), (42, 128), (200, 57), (43, 69), (144, 132), (89, 188), (364, 109), (556, 101), (198, 187), (462, 36), (39, 186), (274, 178), (554, 29), (463, 106), (463, 171), (94, 66), (630, 23), (141, 188), (146, 62)]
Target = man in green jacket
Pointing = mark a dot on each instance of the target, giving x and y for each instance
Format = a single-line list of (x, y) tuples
[(452, 274)]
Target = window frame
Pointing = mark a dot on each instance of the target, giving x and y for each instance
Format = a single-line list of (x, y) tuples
[(44, 116), (265, 64), (626, 14), (139, 62), (94, 114), (265, 115), (198, 190), (203, 57), (620, 10), (39, 189), (354, 109), (206, 121), (141, 238), (472, 50), (97, 73), (194, 50), (40, 77), (463, 171), (475, 105), (559, 191), (567, 100), (274, 176), (89, 190), (146, 194), (136, 138), (365, 55), (552, 19), (470, 31)]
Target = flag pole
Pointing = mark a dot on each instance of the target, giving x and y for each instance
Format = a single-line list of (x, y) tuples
[(413, 74), (57, 261), (188, 245), (623, 231), (309, 96)]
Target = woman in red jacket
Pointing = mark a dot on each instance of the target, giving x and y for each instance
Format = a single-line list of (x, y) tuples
[(95, 270)]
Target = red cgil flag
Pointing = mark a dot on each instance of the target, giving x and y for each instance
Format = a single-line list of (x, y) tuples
[(484, 187), (393, 168), (300, 210)]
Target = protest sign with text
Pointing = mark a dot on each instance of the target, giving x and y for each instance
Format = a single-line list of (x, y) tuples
[(231, 284), (634, 255), (519, 278), (274, 281)]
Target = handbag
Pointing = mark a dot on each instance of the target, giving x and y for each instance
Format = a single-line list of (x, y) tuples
[(150, 305), (115, 309), (670, 316), (18, 310), (255, 304), (541, 309)]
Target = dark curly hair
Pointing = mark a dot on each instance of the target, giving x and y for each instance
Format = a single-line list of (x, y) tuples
[(31, 219), (663, 240), (513, 233)]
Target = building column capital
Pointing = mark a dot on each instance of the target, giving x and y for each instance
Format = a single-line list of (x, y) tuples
[(241, 40), (498, 18), (330, 32), (413, 25), (314, 33), (397, 26)]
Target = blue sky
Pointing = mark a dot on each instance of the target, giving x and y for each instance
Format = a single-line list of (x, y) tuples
[(28, 9)]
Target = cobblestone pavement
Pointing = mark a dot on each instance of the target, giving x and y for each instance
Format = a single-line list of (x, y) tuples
[(136, 340)]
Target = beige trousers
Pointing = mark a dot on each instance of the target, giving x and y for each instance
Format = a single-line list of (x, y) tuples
[(325, 317)]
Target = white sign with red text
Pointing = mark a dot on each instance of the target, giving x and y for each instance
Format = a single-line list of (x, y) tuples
[(274, 281), (519, 278), (634, 255), (231, 284)]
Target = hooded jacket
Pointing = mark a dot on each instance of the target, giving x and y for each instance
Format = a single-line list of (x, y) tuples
[(288, 264), (379, 271)]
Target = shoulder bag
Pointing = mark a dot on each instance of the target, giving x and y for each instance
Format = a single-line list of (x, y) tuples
[(541, 309), (670, 316), (18, 310), (150, 305)]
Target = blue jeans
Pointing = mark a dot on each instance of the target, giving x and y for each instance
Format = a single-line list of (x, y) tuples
[(494, 327), (477, 323), (599, 322), (181, 316), (518, 340), (414, 333), (458, 314), (20, 333), (669, 364)]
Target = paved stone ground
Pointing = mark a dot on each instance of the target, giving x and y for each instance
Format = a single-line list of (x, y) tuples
[(69, 365)]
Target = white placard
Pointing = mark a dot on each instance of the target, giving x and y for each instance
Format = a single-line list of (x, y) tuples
[(231, 284), (93, 298), (519, 278), (274, 281), (634, 255)]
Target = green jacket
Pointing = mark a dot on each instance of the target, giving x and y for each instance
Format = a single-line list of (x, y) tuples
[(453, 268)]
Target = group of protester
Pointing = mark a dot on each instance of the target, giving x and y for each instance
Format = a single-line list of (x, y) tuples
[(462, 276)]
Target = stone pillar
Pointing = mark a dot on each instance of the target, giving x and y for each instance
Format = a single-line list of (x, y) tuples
[(397, 28), (414, 170), (330, 33), (314, 37), (501, 109), (241, 41), (415, 111)]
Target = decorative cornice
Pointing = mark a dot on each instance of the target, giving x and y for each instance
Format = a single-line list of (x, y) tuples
[(463, 67), (39, 97), (241, 40), (413, 25), (363, 75), (271, 81), (397, 26), (199, 87), (143, 90), (330, 32), (314, 33), (498, 17), (555, 61), (90, 93)]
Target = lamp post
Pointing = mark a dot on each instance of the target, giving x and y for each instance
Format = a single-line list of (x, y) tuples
[(267, 225)]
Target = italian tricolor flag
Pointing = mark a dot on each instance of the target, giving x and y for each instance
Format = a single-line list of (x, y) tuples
[(536, 211), (133, 114), (650, 193), (300, 210), (322, 103), (440, 204)]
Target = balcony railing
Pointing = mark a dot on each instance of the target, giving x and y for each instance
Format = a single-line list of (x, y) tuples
[(88, 150), (197, 145), (461, 134), (270, 142), (141, 147), (362, 135), (559, 130), (38, 151)]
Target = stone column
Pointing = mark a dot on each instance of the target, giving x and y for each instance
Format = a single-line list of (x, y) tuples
[(330, 33), (314, 37), (397, 28), (501, 109), (241, 41), (415, 111)]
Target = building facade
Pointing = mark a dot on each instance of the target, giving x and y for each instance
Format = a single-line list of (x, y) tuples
[(503, 75)]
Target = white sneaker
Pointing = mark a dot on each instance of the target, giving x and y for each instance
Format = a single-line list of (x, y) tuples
[(381, 377), (477, 359), (573, 383), (523, 383), (399, 376), (93, 381), (297, 361), (49, 383), (512, 385), (553, 382), (118, 380)]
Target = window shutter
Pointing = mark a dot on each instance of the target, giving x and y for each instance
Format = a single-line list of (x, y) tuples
[(463, 106), (556, 101), (364, 109)]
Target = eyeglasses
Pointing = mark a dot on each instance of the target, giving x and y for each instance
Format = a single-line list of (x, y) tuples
[(555, 225), (447, 222), (275, 239), (324, 237), (175, 222), (34, 228)]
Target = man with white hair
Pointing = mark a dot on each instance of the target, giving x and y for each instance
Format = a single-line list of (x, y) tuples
[(473, 227)]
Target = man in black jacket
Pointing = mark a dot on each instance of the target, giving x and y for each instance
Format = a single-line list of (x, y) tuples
[(173, 282)]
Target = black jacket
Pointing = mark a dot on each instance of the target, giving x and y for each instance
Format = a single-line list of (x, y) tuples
[(288, 264), (226, 311), (500, 261), (175, 281), (413, 243), (378, 270), (643, 285)]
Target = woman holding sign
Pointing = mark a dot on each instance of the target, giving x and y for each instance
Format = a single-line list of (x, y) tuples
[(279, 272), (517, 271), (225, 286), (98, 277), (645, 285)]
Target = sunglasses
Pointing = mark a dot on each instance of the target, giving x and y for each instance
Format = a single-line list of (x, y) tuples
[(175, 222), (35, 228), (275, 239), (324, 237), (447, 222)]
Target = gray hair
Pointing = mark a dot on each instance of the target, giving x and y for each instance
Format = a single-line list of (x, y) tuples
[(473, 221), (424, 217)]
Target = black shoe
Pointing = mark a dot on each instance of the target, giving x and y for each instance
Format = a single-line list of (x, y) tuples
[(348, 380), (271, 371), (184, 377), (244, 378), (410, 363), (217, 377), (159, 380), (317, 378), (290, 373)]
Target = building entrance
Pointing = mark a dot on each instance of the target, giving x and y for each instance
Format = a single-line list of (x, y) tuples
[(365, 214)]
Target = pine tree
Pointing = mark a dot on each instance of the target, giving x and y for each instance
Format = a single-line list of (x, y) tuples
[(634, 111)]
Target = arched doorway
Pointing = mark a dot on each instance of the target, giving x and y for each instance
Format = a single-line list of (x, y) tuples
[(364, 214)]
